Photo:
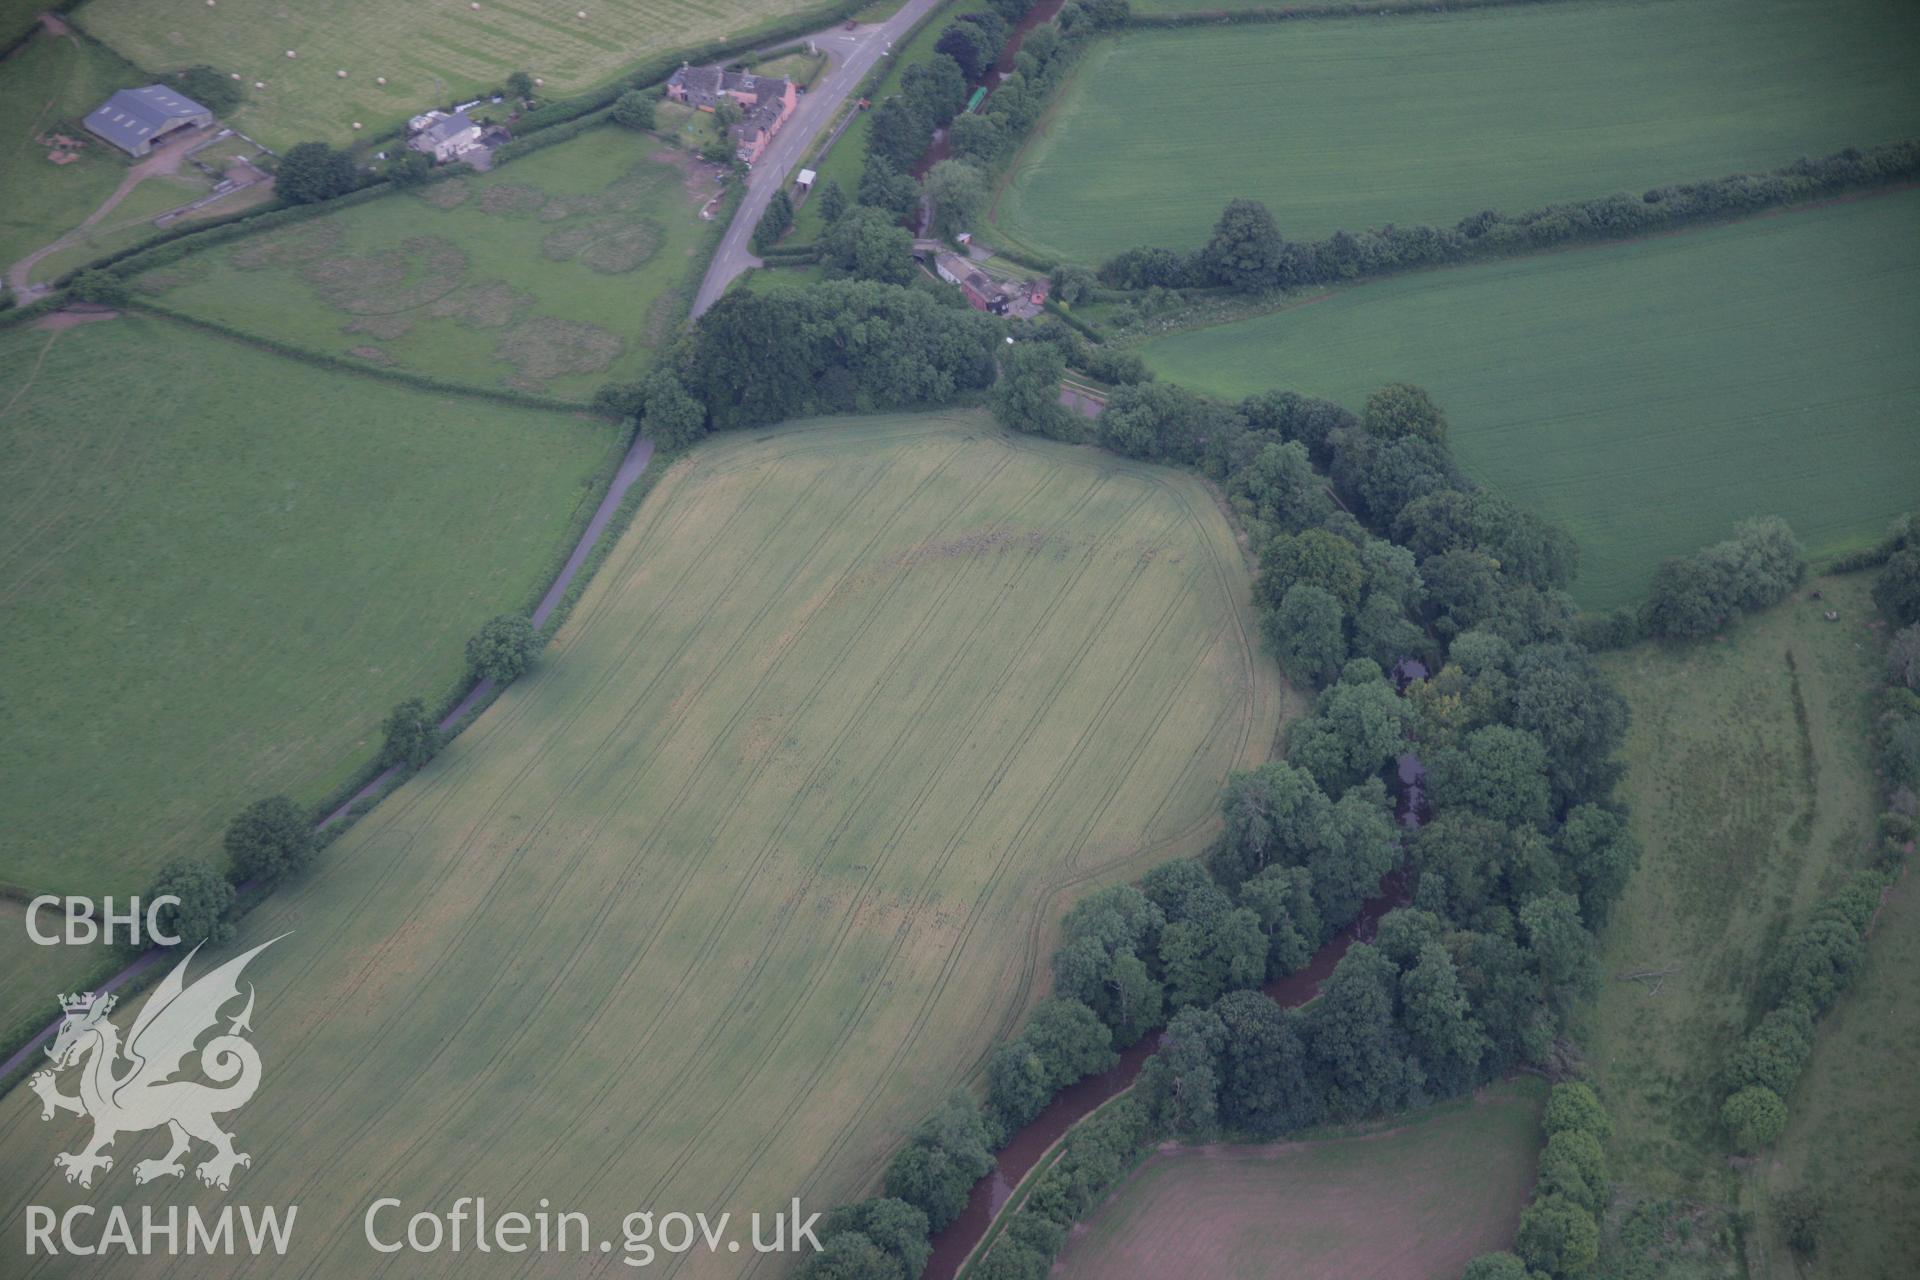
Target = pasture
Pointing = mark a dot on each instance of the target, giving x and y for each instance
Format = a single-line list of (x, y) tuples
[(1411, 1199), (1355, 123), (441, 52), (1751, 777), (221, 569), (1643, 395), (553, 273), (761, 856)]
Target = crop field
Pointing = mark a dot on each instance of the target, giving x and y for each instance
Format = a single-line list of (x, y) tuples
[(553, 273), (48, 86), (440, 52), (1643, 395), (1749, 764), (761, 855), (1413, 1200), (1357, 123), (1850, 1135), (220, 569)]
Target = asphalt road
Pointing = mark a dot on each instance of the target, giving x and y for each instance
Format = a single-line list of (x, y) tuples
[(850, 56)]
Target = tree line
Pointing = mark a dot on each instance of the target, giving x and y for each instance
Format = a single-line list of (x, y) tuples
[(1247, 253), (273, 838), (1373, 548)]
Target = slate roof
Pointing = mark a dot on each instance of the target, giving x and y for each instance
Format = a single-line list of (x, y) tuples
[(449, 127), (133, 116)]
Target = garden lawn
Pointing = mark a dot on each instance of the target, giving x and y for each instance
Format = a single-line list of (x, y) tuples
[(553, 273), (1355, 123), (1749, 767), (760, 857), (46, 87), (220, 569), (438, 52), (1410, 1200), (1643, 395)]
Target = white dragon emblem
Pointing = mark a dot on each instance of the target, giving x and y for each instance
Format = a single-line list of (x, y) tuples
[(143, 1096)]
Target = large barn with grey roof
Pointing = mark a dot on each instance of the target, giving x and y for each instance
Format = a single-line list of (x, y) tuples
[(134, 119)]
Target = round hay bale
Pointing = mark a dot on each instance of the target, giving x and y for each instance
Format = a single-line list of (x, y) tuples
[(341, 74), (292, 54), (379, 79)]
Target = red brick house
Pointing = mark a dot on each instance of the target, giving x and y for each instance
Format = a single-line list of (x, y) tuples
[(766, 102)]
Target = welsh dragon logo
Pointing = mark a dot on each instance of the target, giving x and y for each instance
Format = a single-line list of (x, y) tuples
[(129, 1089)]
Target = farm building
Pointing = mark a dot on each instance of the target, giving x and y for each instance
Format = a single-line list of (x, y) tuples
[(766, 101), (134, 119), (442, 136)]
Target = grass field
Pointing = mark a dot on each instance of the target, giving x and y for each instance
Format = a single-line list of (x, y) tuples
[(1413, 1201), (1644, 395), (553, 273), (761, 856), (1856, 1116), (1750, 773), (1357, 123), (49, 86), (220, 569), (440, 52)]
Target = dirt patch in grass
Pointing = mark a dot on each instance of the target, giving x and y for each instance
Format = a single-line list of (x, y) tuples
[(696, 175), (512, 200), (486, 304), (372, 355), (450, 194), (546, 347), (71, 316)]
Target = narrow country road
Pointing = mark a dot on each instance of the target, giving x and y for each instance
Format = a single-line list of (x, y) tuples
[(850, 56)]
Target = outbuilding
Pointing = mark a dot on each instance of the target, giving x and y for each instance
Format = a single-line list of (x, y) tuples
[(134, 119)]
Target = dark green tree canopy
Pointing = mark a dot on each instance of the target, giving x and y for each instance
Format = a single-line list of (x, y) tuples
[(269, 839), (502, 649), (314, 171), (204, 912)]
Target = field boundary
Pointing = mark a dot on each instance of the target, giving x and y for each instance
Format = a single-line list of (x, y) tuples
[(1310, 295)]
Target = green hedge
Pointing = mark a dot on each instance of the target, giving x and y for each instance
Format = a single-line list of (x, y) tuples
[(1290, 13)]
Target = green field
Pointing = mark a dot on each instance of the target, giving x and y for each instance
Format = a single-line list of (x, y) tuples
[(1358, 123), (436, 52), (553, 273), (1644, 395), (220, 569), (761, 857), (1751, 776), (47, 87), (1856, 1116), (1413, 1199)]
